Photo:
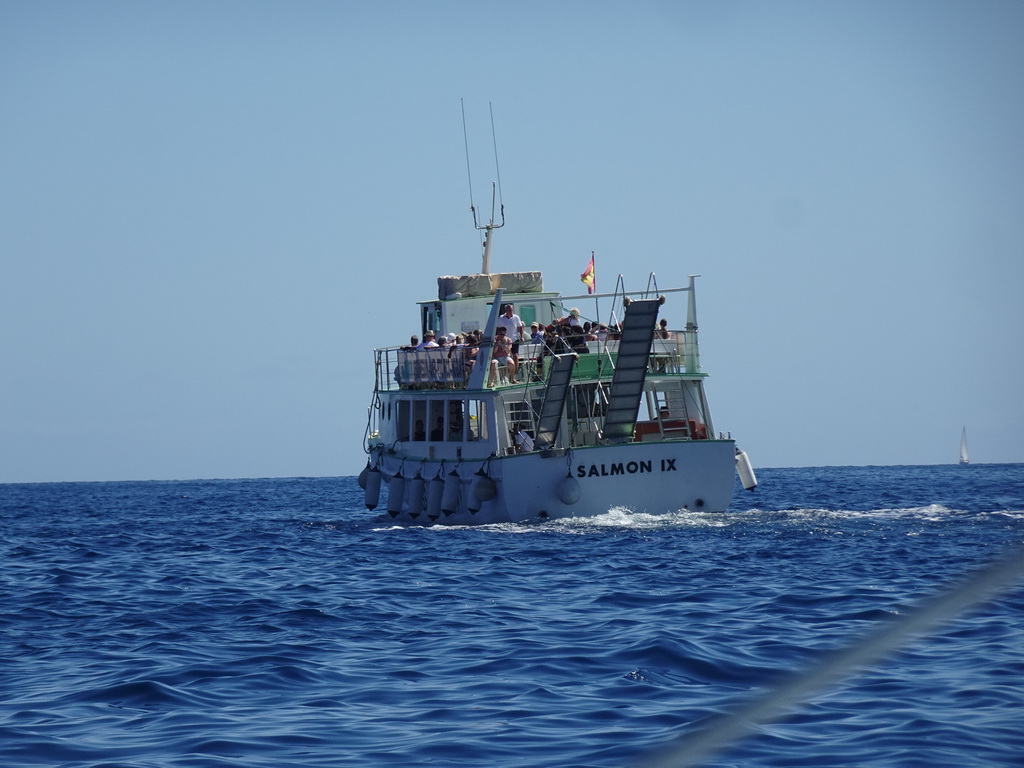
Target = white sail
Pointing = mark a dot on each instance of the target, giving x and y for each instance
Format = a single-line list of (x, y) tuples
[(964, 458)]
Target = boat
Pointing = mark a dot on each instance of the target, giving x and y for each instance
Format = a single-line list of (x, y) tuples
[(579, 428), (964, 458)]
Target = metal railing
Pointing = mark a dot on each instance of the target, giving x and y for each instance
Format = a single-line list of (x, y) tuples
[(449, 367)]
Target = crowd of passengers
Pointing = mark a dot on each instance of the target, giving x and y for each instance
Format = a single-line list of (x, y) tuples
[(564, 335)]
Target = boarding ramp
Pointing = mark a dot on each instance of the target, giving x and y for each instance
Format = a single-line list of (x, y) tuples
[(554, 400), (630, 370)]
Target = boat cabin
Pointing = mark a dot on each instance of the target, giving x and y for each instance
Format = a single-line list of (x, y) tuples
[(464, 302)]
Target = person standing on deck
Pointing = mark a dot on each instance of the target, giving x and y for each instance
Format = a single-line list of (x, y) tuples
[(514, 330)]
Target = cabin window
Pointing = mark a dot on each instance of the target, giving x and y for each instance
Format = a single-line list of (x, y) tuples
[(456, 421), (435, 421), (431, 320), (419, 420), (403, 423), (527, 313), (479, 428)]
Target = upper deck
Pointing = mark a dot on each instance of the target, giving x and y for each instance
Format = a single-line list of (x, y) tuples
[(399, 368)]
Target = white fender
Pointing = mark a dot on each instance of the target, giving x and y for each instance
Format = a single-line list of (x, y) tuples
[(414, 492), (396, 495), (372, 495), (569, 490), (450, 497), (434, 492), (483, 489), (746, 472)]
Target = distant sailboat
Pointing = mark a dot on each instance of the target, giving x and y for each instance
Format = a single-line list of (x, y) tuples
[(964, 458)]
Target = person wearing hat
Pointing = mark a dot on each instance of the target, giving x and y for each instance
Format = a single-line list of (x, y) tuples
[(428, 341), (536, 334)]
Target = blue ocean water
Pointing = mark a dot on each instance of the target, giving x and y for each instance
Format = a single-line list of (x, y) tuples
[(277, 623)]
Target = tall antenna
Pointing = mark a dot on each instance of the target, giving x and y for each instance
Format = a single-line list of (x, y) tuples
[(490, 226)]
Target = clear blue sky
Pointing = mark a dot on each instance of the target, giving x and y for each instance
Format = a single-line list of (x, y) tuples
[(213, 211)]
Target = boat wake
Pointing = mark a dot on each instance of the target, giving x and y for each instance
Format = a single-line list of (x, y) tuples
[(624, 518)]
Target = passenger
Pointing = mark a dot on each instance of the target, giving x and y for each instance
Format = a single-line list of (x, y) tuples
[(575, 339), (661, 331), (602, 332), (501, 354), (573, 320), (514, 330), (414, 341), (418, 433), (536, 333), (455, 421), (428, 341), (437, 433), (555, 340), (456, 360), (469, 352), (524, 443), (590, 332)]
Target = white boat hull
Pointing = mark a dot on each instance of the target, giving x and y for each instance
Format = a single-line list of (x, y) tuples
[(656, 478)]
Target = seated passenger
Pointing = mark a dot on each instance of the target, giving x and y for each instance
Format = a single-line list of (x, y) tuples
[(524, 443), (428, 341), (575, 339), (501, 354), (469, 352)]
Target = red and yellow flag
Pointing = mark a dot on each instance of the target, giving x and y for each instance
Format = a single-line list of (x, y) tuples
[(588, 275)]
